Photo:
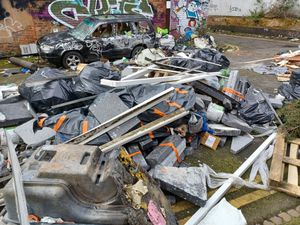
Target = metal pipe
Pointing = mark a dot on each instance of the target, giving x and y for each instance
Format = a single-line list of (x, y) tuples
[(121, 118), (23, 63), (156, 124), (18, 183)]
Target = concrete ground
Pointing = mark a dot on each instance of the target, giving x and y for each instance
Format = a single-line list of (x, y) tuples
[(256, 205)]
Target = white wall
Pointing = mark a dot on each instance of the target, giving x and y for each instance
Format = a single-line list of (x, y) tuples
[(238, 7)]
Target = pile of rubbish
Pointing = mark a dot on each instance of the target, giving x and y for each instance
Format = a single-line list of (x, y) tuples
[(283, 65), (99, 146)]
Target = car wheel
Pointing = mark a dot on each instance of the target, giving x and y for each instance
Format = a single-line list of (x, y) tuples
[(137, 50), (72, 59)]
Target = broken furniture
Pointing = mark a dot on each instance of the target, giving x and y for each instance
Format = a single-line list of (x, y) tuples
[(284, 174)]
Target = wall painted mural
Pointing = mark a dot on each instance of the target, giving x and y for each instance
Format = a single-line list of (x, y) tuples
[(71, 12), (187, 16)]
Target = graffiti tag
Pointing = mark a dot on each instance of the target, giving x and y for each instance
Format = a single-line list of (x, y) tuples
[(94, 46), (67, 46), (235, 9), (9, 26), (72, 12)]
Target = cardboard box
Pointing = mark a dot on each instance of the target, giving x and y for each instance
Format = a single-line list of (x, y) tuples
[(210, 140)]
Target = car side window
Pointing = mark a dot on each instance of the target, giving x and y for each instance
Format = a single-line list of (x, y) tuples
[(103, 31), (122, 28), (142, 27)]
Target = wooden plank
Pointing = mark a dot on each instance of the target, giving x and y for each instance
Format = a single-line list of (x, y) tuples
[(181, 206), (283, 79), (277, 165), (250, 198), (290, 189), (293, 170), (288, 160), (295, 141), (184, 220)]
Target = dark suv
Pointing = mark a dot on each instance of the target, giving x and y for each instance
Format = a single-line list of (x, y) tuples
[(111, 36)]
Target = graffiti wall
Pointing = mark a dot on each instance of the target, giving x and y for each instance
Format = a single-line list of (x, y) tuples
[(71, 12), (24, 21), (188, 15)]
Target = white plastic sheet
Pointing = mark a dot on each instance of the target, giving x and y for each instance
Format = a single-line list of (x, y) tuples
[(215, 180), (224, 214)]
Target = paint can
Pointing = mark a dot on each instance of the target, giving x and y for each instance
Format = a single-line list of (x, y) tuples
[(215, 112)]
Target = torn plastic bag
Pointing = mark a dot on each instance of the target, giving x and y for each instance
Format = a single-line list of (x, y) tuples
[(71, 124), (291, 91), (160, 133), (42, 97), (183, 97), (145, 57), (213, 82), (67, 124), (260, 166), (45, 73), (206, 54), (215, 180), (88, 82), (254, 109)]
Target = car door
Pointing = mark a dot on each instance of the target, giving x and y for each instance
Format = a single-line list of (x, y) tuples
[(123, 39), (99, 42)]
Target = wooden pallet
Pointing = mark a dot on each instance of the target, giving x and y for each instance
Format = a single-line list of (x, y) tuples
[(283, 77), (284, 174), (157, 73)]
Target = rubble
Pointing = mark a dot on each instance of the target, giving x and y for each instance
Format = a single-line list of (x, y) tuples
[(241, 142), (168, 152), (187, 183), (14, 114), (102, 140), (221, 130), (233, 121)]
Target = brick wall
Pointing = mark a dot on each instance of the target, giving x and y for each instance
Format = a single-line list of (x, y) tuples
[(24, 23)]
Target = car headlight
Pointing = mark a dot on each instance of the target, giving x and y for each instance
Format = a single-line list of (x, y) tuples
[(47, 48)]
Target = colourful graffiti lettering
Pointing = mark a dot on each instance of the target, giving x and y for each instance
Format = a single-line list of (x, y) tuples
[(72, 12)]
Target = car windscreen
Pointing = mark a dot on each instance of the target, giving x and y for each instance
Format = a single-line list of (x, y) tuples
[(85, 28)]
